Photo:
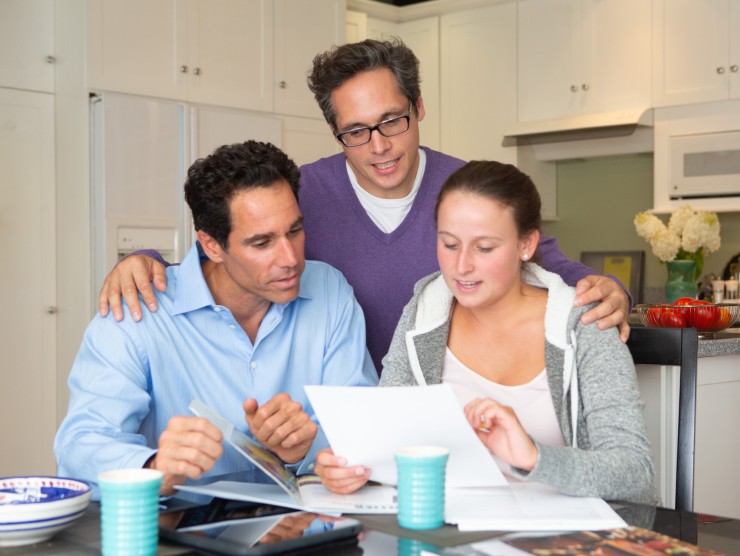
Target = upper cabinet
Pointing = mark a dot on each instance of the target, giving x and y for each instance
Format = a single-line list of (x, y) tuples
[(229, 45), (27, 45), (209, 51), (478, 81), (697, 51), (582, 57), (251, 54), (303, 30)]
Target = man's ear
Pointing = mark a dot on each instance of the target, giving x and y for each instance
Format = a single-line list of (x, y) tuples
[(211, 247), (420, 112)]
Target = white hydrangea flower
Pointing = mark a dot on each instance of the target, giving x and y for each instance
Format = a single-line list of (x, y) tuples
[(648, 225), (679, 218), (665, 245), (689, 234), (701, 231)]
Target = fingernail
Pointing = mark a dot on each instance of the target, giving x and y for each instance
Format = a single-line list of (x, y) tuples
[(152, 307), (360, 471), (137, 316), (342, 461)]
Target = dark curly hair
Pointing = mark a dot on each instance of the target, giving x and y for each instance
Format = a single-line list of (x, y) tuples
[(503, 183), (333, 68), (214, 180)]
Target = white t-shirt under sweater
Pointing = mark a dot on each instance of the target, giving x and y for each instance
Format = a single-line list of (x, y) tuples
[(532, 402), (388, 213)]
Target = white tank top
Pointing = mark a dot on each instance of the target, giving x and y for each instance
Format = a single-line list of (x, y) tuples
[(532, 402)]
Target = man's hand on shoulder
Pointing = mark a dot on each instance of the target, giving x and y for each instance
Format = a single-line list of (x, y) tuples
[(188, 447), (129, 278), (613, 303), (282, 426)]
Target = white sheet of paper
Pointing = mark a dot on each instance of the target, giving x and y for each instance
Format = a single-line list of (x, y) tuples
[(527, 507), (367, 425)]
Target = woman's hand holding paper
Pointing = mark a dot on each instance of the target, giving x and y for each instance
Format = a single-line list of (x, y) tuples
[(498, 427)]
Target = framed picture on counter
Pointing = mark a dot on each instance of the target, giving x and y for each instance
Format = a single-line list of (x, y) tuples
[(626, 266)]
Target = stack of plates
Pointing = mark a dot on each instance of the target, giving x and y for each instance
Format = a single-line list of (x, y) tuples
[(33, 509)]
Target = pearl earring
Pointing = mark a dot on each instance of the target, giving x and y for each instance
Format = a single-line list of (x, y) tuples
[(525, 256)]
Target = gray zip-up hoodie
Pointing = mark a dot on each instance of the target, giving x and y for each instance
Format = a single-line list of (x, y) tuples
[(591, 378)]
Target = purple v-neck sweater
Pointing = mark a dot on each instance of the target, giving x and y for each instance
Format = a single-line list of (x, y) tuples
[(383, 268)]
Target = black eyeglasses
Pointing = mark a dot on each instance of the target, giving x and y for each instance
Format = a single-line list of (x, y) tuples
[(387, 128)]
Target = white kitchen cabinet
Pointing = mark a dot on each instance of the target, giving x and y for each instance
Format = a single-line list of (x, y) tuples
[(356, 26), (478, 82), (27, 45), (28, 333), (135, 47), (307, 139), (697, 51), (302, 30), (230, 49), (716, 490), (251, 54), (716, 451), (582, 57), (208, 51), (382, 30)]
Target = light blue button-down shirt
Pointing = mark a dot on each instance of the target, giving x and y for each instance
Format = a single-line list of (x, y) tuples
[(130, 378)]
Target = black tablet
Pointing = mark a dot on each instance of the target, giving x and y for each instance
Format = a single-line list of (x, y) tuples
[(245, 528)]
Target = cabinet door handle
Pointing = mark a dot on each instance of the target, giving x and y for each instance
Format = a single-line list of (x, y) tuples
[(52, 310), (52, 59), (183, 69), (196, 71), (282, 84), (733, 68), (584, 86), (573, 88), (720, 70)]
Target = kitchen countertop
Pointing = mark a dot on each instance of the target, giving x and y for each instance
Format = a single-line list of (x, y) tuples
[(717, 344)]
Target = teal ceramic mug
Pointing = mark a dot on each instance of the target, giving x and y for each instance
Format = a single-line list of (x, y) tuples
[(421, 486), (129, 511)]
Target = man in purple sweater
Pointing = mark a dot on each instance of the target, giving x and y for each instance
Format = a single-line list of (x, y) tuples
[(369, 211)]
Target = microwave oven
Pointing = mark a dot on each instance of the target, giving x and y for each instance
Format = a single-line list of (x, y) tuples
[(704, 165)]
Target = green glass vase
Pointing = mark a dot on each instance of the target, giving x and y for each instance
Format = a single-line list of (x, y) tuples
[(680, 281)]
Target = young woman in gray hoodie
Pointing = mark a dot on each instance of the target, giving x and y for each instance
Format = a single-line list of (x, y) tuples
[(555, 401)]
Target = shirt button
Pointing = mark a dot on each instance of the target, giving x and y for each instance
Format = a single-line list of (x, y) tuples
[(253, 364), (232, 327), (217, 309), (311, 466)]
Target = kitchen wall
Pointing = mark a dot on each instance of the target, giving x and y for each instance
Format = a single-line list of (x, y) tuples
[(597, 200)]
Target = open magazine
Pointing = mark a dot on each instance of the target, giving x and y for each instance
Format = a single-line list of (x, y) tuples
[(632, 541), (303, 493)]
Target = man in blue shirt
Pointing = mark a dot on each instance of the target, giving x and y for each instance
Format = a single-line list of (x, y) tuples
[(244, 324)]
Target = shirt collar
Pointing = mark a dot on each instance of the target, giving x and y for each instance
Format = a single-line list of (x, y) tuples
[(192, 292)]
